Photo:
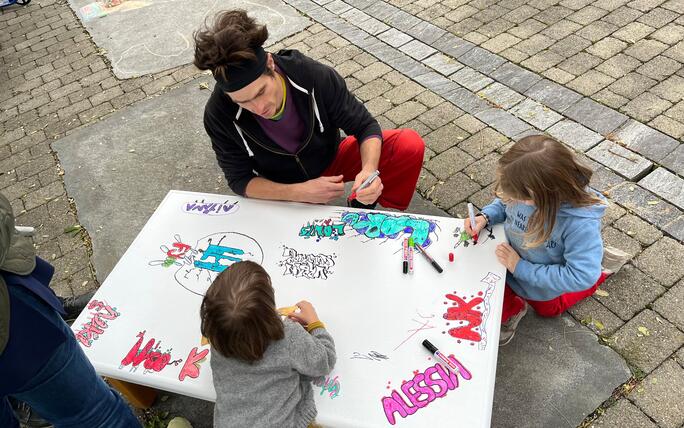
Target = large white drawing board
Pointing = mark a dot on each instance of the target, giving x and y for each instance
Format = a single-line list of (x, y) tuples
[(142, 325)]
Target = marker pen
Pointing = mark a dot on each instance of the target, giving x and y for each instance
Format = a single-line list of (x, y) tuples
[(471, 213), (405, 263), (367, 182), (432, 261), (410, 255), (453, 366)]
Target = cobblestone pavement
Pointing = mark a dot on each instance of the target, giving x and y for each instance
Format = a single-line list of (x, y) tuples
[(604, 77)]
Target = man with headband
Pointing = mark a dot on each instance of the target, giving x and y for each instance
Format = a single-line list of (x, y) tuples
[(274, 122)]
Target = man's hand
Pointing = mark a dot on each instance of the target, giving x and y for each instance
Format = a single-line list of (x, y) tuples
[(507, 256), (320, 190), (371, 193)]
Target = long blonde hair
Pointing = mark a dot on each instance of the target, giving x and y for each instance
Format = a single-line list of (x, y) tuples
[(540, 169)]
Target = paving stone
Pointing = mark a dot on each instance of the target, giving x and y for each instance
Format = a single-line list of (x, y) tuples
[(596, 30), (437, 83), (629, 292), (441, 115), (596, 316), (426, 32), (635, 198), (454, 190), (452, 45), (501, 95), (628, 164), (515, 77), (632, 85), (645, 140), (483, 171), (646, 352), (670, 305), (562, 30), (668, 126), (675, 160), (500, 42), (558, 75), (443, 64), (580, 63), (449, 162), (675, 228), (432, 100), (590, 82), (659, 17), (471, 79), (594, 116), (543, 61), (623, 414), (677, 112), (574, 135), (467, 101), (446, 137), (676, 52), (617, 239), (633, 32), (670, 34), (646, 106), (666, 185), (635, 227), (481, 60), (470, 123), (553, 95), (537, 115), (680, 357), (644, 50), (503, 121), (656, 261), (607, 47), (620, 65), (659, 395), (417, 49), (482, 142), (659, 67)]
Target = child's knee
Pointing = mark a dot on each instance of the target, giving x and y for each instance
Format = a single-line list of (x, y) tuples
[(549, 312)]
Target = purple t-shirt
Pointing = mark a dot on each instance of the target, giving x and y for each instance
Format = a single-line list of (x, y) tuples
[(288, 131)]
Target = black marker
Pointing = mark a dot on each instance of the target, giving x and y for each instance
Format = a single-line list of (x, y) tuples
[(432, 261)]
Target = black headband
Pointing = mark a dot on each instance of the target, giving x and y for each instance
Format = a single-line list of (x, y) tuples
[(241, 75)]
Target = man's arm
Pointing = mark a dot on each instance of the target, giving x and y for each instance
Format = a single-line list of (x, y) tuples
[(317, 191)]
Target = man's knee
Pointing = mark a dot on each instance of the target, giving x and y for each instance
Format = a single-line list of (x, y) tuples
[(411, 144)]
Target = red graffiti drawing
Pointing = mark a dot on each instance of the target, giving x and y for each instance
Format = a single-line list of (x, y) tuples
[(182, 249), (92, 330), (191, 368), (150, 356), (464, 311)]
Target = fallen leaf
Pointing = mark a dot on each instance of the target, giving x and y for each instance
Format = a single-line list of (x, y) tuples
[(602, 293), (643, 330), (73, 230), (652, 202), (598, 324), (204, 85)]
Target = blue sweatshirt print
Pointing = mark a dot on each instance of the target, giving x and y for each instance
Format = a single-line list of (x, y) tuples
[(569, 261)]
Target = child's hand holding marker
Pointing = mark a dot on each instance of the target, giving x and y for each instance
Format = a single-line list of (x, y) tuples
[(480, 223), (306, 315)]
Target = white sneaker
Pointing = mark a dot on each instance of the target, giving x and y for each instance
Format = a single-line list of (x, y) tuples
[(508, 328)]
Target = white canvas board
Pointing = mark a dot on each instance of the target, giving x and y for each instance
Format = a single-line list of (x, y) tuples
[(143, 323)]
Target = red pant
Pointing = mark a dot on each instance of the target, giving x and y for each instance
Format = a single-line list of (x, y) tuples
[(401, 159), (512, 303)]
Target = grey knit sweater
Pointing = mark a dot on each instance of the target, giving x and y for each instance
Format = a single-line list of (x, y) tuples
[(276, 390)]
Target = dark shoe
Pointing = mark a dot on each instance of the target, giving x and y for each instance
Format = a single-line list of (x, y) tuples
[(73, 306), (26, 416)]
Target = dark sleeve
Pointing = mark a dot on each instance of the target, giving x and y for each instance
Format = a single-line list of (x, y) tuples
[(344, 110), (231, 154)]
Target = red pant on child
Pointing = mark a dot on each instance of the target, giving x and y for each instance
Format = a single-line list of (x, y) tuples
[(400, 161), (512, 303)]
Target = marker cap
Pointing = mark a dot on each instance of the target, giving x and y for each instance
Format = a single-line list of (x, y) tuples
[(411, 242), (430, 347)]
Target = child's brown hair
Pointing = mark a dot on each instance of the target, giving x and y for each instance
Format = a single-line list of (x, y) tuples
[(238, 312), (540, 169)]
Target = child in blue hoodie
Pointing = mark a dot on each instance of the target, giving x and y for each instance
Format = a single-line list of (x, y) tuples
[(552, 220)]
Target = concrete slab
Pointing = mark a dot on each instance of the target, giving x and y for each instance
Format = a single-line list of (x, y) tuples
[(148, 36), (554, 373)]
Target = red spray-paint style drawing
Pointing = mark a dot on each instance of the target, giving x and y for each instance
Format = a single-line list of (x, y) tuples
[(97, 325), (150, 356), (191, 368), (466, 312), (435, 382)]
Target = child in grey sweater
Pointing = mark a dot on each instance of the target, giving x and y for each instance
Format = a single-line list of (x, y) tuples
[(262, 365)]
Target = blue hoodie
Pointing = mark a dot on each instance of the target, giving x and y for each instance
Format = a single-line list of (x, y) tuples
[(569, 261)]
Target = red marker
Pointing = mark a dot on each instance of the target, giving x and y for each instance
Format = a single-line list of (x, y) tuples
[(451, 257), (367, 182), (471, 213)]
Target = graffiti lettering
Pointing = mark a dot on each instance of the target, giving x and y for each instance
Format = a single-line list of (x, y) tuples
[(191, 368), (310, 266), (150, 356), (210, 208), (377, 225), (420, 391), (322, 229), (218, 253), (331, 385), (464, 312), (97, 325)]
